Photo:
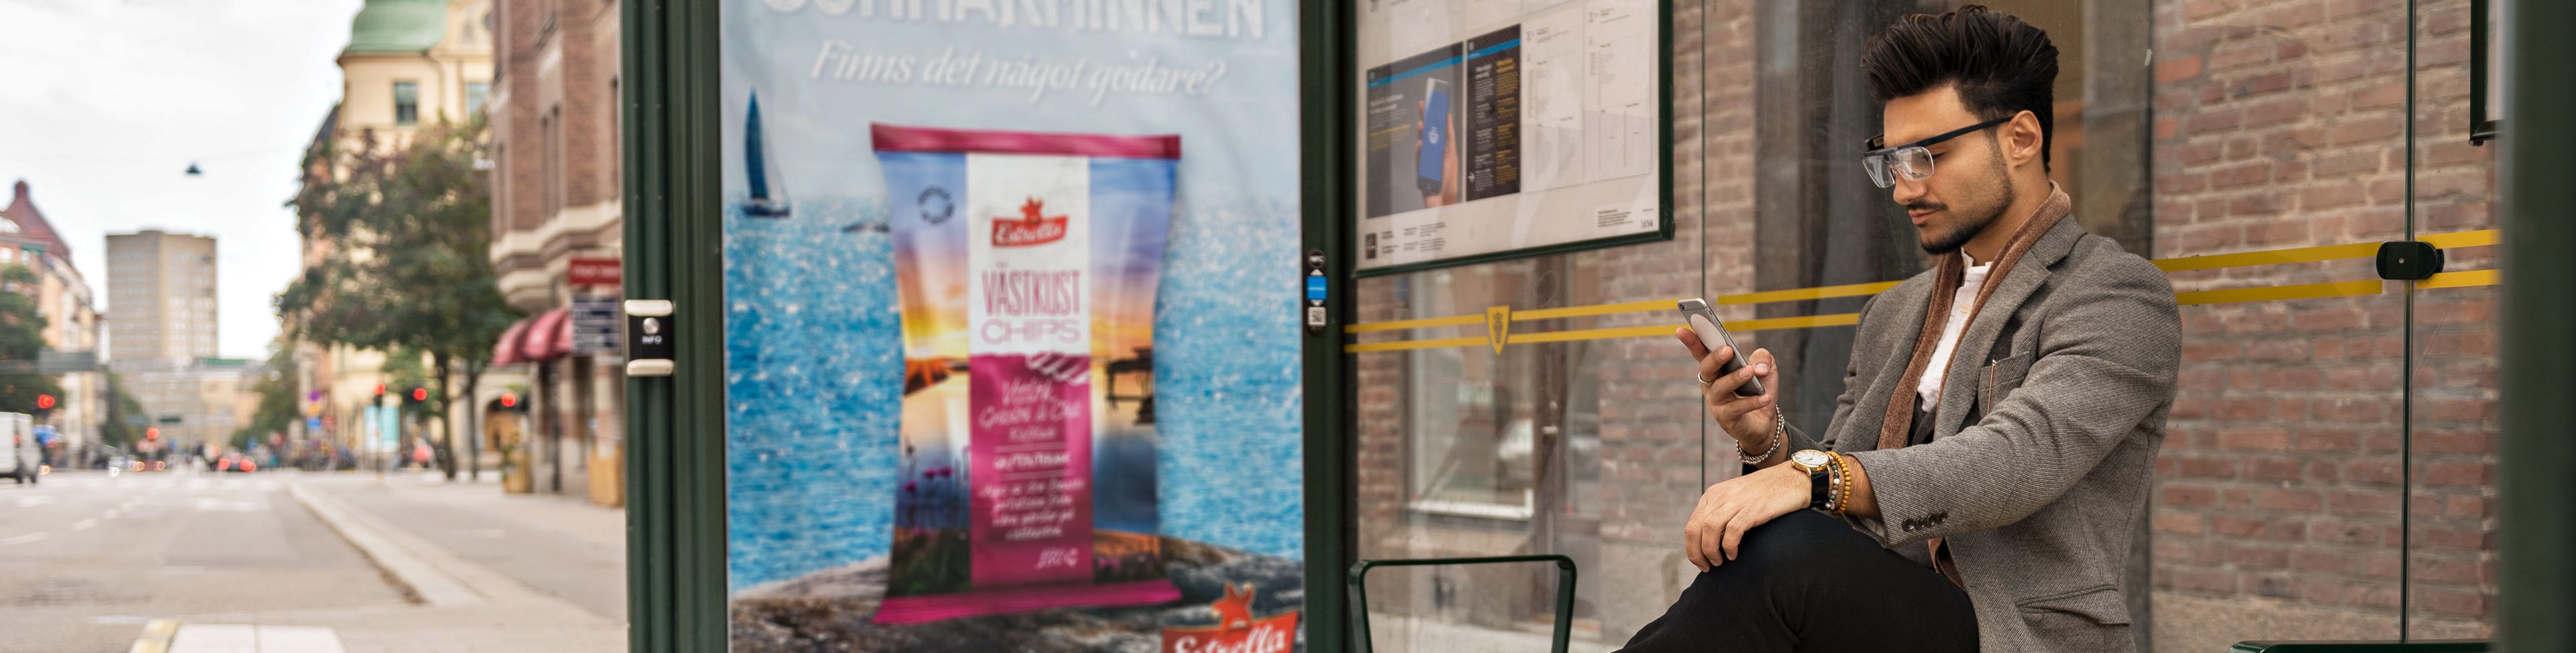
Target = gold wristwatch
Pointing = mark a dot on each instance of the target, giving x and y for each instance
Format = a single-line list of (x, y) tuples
[(1819, 468)]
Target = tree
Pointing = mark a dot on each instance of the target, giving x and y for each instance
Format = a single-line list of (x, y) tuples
[(22, 338), (408, 269), (276, 391), (124, 420)]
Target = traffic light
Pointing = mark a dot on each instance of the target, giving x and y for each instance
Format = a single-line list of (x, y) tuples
[(151, 433), (380, 390), (44, 405), (509, 400), (419, 395)]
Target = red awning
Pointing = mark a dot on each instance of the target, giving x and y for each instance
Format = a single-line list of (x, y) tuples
[(549, 336), (506, 351)]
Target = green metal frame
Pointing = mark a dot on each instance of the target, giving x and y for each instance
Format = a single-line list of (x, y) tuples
[(1327, 70), (2482, 121), (1323, 55), (2536, 495), (675, 456), (1559, 636), (675, 425)]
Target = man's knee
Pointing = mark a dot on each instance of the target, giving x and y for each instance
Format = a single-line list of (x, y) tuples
[(1789, 550), (1802, 539)]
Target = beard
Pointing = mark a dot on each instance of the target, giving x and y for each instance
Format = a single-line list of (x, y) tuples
[(1981, 211)]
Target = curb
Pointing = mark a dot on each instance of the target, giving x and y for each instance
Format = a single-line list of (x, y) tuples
[(156, 637), (406, 569)]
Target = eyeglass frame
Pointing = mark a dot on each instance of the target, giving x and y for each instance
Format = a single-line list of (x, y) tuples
[(1923, 143)]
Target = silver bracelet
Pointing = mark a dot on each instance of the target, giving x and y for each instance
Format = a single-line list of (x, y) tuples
[(1779, 431)]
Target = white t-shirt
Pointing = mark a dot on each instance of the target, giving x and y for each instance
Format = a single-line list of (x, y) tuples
[(1929, 389)]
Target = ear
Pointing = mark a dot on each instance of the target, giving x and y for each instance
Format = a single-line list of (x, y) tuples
[(2022, 140)]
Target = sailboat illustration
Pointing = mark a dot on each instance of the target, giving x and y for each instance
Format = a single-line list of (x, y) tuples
[(768, 199)]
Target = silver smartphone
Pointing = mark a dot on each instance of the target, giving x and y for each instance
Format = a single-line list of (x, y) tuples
[(1712, 334)]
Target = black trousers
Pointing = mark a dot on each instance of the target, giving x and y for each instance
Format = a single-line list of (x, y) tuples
[(1808, 582)]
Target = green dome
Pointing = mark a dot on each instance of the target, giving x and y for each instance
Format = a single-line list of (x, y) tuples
[(398, 26)]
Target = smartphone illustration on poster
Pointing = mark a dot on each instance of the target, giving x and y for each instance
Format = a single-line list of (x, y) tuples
[(1434, 137)]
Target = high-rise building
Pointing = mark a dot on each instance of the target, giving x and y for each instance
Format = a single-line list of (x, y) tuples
[(161, 334), (161, 287)]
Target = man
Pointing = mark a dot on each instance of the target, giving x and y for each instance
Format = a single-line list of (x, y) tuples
[(1989, 456)]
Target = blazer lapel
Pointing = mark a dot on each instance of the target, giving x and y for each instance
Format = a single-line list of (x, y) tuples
[(1902, 306), (1959, 382)]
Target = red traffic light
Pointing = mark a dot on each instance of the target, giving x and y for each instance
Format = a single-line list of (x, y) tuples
[(44, 401), (151, 433), (509, 400), (420, 394), (380, 389)]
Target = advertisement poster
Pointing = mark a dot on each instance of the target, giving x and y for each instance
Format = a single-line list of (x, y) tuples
[(1491, 126), (1011, 348)]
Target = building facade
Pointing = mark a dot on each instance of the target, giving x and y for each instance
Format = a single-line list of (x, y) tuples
[(556, 199), (72, 320), (162, 287), (409, 64)]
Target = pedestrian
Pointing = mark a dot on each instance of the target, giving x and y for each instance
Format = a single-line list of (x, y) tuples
[(1989, 456)]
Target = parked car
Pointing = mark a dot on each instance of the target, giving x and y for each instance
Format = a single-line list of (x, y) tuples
[(24, 461)]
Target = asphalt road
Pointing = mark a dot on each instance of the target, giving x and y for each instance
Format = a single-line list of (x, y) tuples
[(86, 558)]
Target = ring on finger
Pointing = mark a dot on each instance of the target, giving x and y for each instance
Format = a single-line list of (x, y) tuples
[(1695, 377)]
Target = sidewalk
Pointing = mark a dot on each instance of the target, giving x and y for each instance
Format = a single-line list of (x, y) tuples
[(559, 585)]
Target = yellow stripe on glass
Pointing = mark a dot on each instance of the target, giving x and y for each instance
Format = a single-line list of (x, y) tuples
[(2461, 279)]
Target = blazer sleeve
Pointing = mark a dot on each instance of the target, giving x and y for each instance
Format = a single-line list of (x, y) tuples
[(1799, 439), (2105, 361)]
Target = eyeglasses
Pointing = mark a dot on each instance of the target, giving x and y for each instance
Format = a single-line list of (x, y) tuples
[(1912, 160)]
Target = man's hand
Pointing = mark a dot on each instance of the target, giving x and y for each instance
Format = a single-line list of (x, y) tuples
[(1730, 508), (1750, 420)]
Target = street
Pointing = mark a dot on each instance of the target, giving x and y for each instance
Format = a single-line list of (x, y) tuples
[(88, 559)]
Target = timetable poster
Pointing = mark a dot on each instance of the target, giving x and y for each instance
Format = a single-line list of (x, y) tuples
[(1492, 126)]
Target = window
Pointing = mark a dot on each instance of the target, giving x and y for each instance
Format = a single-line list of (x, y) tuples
[(406, 103), (475, 94)]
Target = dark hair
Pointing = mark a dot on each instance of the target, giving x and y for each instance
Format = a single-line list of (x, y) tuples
[(1999, 64)]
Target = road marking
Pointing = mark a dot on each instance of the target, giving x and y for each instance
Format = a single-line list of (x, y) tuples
[(220, 505), (34, 500), (23, 539), (84, 524)]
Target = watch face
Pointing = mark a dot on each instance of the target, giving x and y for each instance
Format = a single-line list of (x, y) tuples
[(1810, 459)]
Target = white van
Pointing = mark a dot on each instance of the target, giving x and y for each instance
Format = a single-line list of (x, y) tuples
[(23, 461)]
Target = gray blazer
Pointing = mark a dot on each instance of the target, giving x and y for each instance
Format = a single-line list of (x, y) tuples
[(2046, 436)]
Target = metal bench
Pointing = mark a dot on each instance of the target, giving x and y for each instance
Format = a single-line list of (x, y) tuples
[(1560, 635)]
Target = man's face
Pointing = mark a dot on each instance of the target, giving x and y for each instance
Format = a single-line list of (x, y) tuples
[(1969, 186)]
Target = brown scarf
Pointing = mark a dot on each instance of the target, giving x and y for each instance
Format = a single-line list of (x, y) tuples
[(1898, 428)]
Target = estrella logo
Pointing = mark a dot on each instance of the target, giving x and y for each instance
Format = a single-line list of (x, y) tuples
[(1032, 227)]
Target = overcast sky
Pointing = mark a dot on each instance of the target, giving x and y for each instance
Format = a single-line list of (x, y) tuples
[(103, 103)]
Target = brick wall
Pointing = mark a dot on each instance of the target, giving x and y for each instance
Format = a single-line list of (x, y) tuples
[(2280, 124), (2277, 124)]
